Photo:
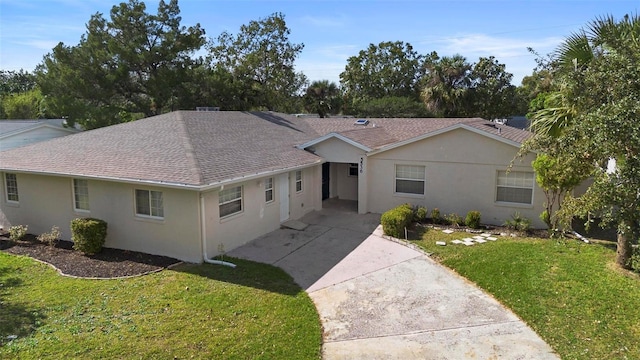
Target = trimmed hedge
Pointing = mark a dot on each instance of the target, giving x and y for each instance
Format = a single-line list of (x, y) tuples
[(88, 234), (395, 220)]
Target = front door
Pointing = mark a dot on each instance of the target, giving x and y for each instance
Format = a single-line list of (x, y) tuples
[(326, 167), (283, 189)]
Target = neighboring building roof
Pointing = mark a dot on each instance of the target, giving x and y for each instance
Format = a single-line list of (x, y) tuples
[(519, 122), (191, 148), (11, 127)]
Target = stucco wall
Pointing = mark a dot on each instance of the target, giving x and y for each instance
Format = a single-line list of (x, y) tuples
[(258, 217), (347, 186), (46, 201), (461, 173)]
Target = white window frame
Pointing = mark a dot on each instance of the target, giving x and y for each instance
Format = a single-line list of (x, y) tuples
[(299, 187), (77, 196), (353, 166), (419, 169), (155, 211), (268, 190), (11, 191), (512, 180), (223, 199)]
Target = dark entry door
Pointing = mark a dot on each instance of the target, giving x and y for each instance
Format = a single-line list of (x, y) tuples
[(325, 180)]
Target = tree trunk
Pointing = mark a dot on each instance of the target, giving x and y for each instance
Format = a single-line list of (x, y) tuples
[(623, 253)]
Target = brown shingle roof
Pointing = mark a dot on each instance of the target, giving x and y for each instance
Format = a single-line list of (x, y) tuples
[(201, 148)]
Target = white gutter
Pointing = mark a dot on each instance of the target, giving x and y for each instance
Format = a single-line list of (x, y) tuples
[(207, 187), (259, 175), (203, 237), (107, 178)]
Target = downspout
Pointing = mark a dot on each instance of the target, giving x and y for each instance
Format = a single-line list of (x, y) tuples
[(203, 237)]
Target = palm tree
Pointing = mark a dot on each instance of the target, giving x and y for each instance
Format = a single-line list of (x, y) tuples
[(321, 97), (598, 70), (573, 57), (447, 82)]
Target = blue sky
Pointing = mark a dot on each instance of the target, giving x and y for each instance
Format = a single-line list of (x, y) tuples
[(333, 30)]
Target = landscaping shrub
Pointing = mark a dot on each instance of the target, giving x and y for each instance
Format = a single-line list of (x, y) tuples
[(454, 219), (473, 219), (394, 221), (17, 232), (518, 223), (421, 213), (50, 238), (436, 218), (88, 234), (635, 258)]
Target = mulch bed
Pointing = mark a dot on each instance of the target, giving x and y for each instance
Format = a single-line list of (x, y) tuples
[(109, 263)]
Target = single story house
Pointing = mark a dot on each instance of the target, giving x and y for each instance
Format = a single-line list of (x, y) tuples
[(15, 133), (192, 184)]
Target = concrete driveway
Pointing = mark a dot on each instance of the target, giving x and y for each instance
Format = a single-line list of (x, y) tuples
[(379, 299)]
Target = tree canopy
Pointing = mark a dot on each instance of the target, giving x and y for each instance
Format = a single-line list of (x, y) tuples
[(259, 62), (597, 108), (386, 69), (133, 63)]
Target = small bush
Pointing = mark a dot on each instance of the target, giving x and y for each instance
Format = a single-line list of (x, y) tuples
[(421, 213), (436, 218), (635, 259), (473, 219), (50, 238), (17, 232), (88, 234), (396, 220), (518, 223), (454, 219)]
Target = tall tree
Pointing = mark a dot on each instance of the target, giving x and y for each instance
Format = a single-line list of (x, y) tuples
[(491, 94), (389, 69), (260, 59), (12, 82), (446, 84), (134, 63), (602, 86), (16, 83), (24, 105), (323, 97)]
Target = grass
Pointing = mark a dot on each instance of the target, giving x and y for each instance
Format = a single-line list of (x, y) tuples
[(569, 292), (255, 311)]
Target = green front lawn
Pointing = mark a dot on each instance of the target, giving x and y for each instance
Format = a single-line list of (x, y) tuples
[(255, 311), (569, 292)]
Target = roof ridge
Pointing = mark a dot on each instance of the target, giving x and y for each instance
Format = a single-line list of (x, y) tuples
[(188, 146)]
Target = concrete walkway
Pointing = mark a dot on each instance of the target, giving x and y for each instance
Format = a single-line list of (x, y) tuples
[(379, 299)]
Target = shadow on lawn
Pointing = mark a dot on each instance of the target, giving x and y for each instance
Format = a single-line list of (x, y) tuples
[(16, 320), (246, 273)]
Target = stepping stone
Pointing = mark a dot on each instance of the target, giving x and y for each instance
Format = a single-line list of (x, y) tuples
[(295, 225), (492, 238), (478, 238), (485, 234), (469, 243), (447, 231), (457, 242), (441, 243), (468, 239), (480, 241)]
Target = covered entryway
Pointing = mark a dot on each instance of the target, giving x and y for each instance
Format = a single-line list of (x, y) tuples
[(344, 170)]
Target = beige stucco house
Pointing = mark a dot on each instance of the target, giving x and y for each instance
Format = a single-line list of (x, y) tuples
[(191, 184)]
